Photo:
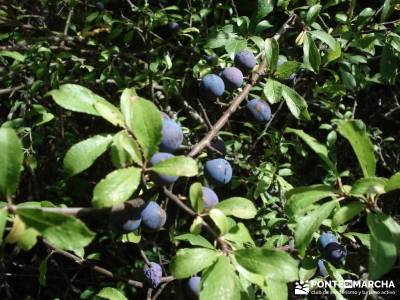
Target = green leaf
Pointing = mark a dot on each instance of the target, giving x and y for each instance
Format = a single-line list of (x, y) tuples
[(239, 234), (296, 103), (335, 49), (195, 240), (116, 188), (370, 185), (146, 125), (220, 282), (27, 239), (348, 79), (387, 9), (111, 294), (13, 54), (276, 290), (196, 196), (76, 98), (320, 149), (301, 198), (177, 166), (393, 183), (273, 91), (271, 53), (62, 231), (382, 254), (346, 213), (110, 113), (131, 237), (43, 270), (355, 132), (239, 207), (264, 7), (312, 58), (324, 37), (188, 262), (123, 140), (333, 54), (365, 238), (3, 221), (394, 227), (220, 220), (310, 223), (11, 157), (217, 39), (272, 264), (83, 154), (286, 69), (234, 46), (127, 98), (313, 13)]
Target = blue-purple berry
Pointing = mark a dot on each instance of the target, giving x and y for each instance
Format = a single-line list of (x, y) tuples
[(153, 216), (127, 220), (321, 269), (218, 171), (245, 60), (172, 136), (212, 86), (210, 198), (260, 110), (335, 253), (324, 239), (193, 287), (232, 77), (99, 6), (173, 27), (153, 274)]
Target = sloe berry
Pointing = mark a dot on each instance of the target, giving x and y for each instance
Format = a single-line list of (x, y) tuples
[(218, 171), (153, 216)]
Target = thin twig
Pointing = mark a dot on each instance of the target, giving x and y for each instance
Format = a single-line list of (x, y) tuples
[(224, 245), (71, 12), (268, 124)]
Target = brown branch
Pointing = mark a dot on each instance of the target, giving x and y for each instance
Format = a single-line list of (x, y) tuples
[(85, 211), (160, 289), (11, 89), (96, 268), (197, 148)]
